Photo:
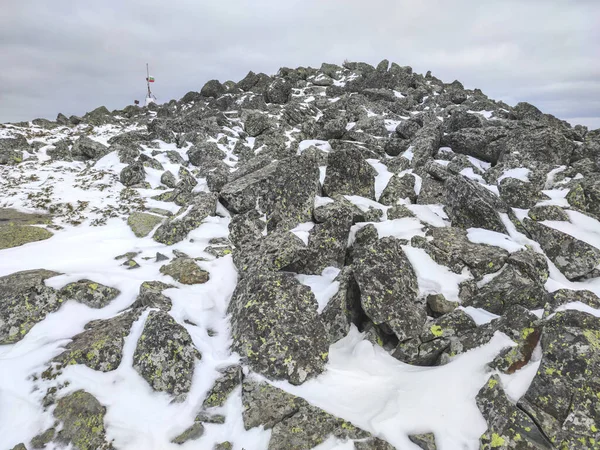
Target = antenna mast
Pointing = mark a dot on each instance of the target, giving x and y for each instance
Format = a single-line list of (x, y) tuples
[(148, 81)]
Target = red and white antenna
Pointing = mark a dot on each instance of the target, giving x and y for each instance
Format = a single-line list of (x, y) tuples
[(150, 98)]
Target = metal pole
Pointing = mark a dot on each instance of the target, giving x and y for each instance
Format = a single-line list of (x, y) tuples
[(148, 81)]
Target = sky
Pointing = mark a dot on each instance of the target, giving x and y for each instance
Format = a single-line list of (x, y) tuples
[(72, 56)]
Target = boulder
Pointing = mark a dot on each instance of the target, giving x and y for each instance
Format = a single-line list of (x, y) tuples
[(275, 327), (470, 205), (24, 301), (388, 287), (90, 293), (574, 258), (165, 355), (186, 271), (349, 174)]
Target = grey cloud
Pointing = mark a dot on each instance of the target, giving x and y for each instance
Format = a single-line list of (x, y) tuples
[(73, 56)]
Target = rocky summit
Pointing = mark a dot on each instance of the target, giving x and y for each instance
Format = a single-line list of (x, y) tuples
[(343, 257)]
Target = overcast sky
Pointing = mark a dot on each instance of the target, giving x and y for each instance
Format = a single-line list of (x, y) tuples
[(72, 56)]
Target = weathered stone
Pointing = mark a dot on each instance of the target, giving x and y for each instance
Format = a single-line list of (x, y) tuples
[(275, 327), (24, 301), (90, 293), (284, 191), (12, 235), (165, 355), (82, 418), (574, 258), (471, 205), (398, 188), (143, 223), (177, 228), (349, 174), (186, 271), (85, 149), (388, 287), (217, 395), (133, 174), (194, 432), (100, 345), (508, 426)]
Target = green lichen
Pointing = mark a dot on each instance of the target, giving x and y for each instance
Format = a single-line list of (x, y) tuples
[(497, 440), (436, 330)]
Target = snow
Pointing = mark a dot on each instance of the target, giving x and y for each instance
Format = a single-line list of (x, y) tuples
[(321, 201), (469, 173), (479, 315), (515, 385), (484, 113), (408, 154), (432, 277), (581, 227), (302, 231), (322, 286), (520, 173), (483, 236), (382, 178), (557, 197), (367, 387), (433, 215), (482, 165)]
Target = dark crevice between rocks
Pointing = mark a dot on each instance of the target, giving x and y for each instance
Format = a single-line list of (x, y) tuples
[(537, 424)]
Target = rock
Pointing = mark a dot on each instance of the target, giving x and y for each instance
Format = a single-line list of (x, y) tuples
[(547, 212), (407, 129), (508, 426), (143, 223), (457, 250), (531, 263), (388, 287), (100, 345), (574, 258), (432, 191), (165, 355), (349, 174), (476, 142), (133, 174), (11, 150), (399, 212), (223, 446), (216, 179), (327, 242), (191, 434), (439, 305), (205, 155), (19, 447), (470, 205), (60, 152), (176, 229), (186, 271), (278, 92), (275, 327), (16, 235), (565, 296), (279, 250), (230, 379), (82, 418), (562, 397), (296, 424), (24, 301), (42, 439), (151, 296), (168, 179), (212, 88), (399, 188), (126, 154), (85, 149), (90, 293), (518, 194), (424, 441), (284, 191), (460, 119), (395, 147), (344, 308), (256, 123), (510, 287)]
